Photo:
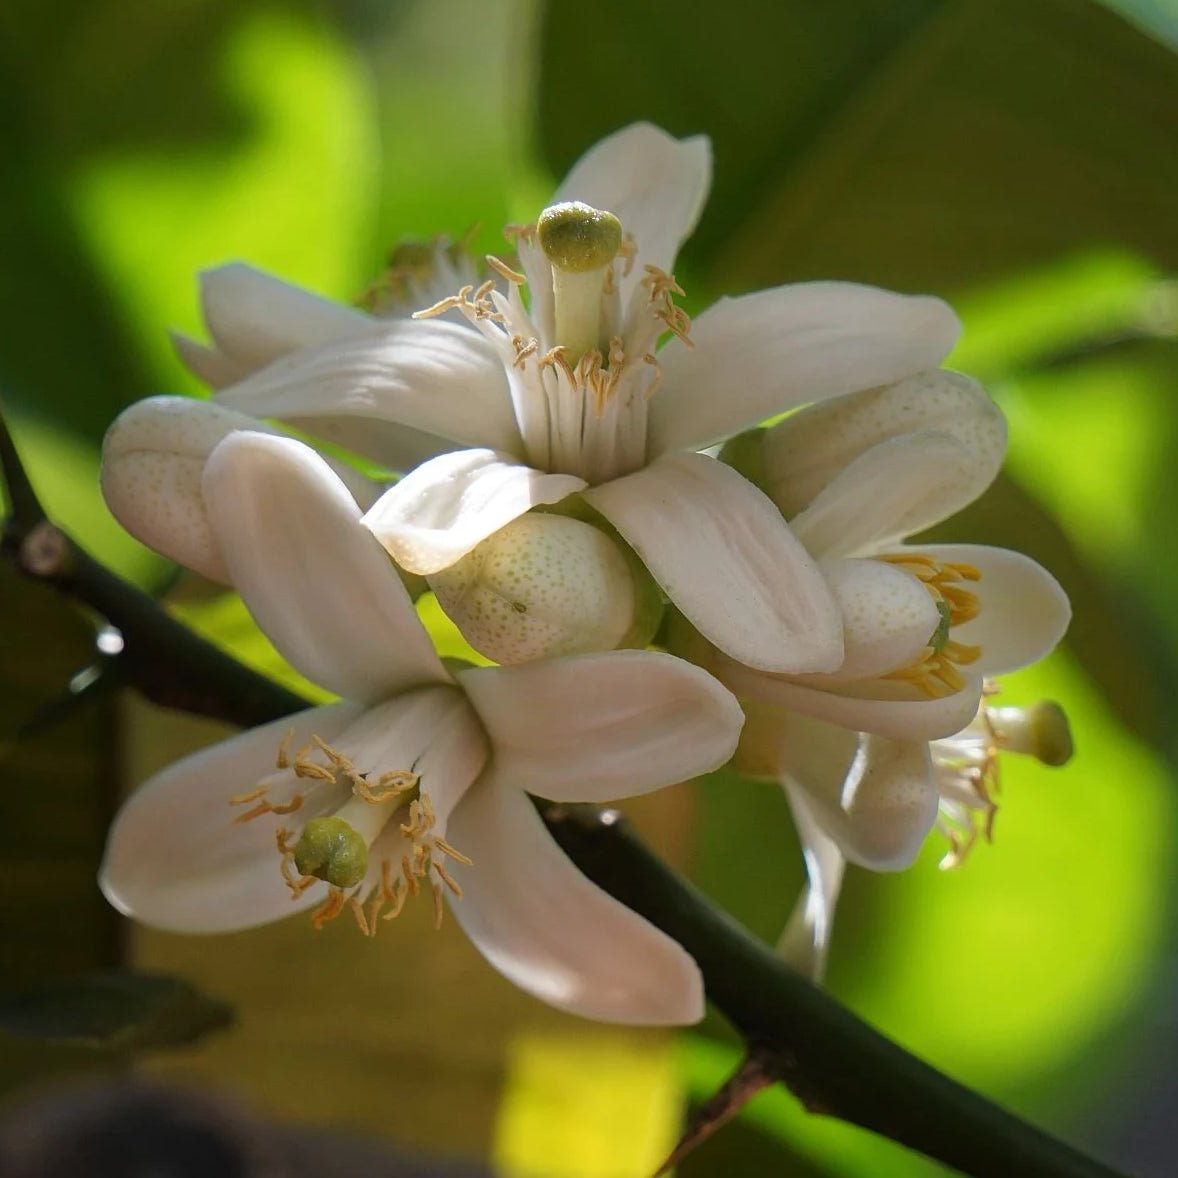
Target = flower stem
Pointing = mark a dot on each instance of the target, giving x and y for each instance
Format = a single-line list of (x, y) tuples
[(829, 1058)]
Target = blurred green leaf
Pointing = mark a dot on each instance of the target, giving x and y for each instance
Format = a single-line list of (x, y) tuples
[(116, 1011), (925, 144)]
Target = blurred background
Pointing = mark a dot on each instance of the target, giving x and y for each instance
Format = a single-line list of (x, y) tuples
[(1017, 157)]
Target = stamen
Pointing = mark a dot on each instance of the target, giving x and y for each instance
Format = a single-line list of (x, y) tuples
[(264, 805), (934, 672), (505, 271)]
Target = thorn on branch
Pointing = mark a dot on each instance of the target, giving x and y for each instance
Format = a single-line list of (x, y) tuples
[(761, 1068)]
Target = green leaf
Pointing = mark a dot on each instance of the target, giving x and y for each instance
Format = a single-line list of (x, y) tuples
[(925, 144), (117, 1011)]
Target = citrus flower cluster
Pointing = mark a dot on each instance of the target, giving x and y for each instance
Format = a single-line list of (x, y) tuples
[(580, 474)]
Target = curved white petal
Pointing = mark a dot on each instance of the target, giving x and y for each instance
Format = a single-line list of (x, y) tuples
[(552, 932), (862, 705), (207, 362), (808, 450), (1024, 613), (314, 579), (722, 553), (881, 812), (890, 802), (440, 511), (177, 859), (654, 184), (888, 616), (431, 731), (255, 317), (760, 354), (433, 377), (805, 941), (152, 459), (596, 727), (897, 487), (812, 763)]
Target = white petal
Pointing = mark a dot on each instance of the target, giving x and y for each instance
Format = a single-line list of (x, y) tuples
[(315, 581), (722, 553), (551, 931), (812, 761), (805, 942), (1024, 613), (430, 731), (888, 616), (255, 317), (596, 727), (438, 378), (890, 803), (440, 511), (760, 354), (177, 859), (807, 451), (900, 486), (152, 460), (207, 362), (883, 707), (878, 806), (654, 184)]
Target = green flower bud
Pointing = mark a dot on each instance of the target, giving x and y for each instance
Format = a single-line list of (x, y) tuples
[(332, 850)]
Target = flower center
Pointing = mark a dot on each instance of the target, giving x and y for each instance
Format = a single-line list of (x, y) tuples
[(335, 848), (580, 365), (935, 670)]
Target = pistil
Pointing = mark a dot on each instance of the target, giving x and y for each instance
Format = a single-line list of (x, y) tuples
[(581, 243)]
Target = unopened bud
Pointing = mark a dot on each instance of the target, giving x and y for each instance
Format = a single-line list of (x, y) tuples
[(548, 585)]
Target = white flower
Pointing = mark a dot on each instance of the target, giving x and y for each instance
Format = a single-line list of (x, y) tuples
[(842, 785), (546, 416), (416, 779), (923, 623), (852, 748)]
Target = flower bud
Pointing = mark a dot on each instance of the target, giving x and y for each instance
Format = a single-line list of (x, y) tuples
[(547, 585), (152, 460)]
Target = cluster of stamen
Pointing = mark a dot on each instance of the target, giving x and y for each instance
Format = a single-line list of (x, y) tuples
[(935, 670), (416, 266), (969, 779), (422, 860)]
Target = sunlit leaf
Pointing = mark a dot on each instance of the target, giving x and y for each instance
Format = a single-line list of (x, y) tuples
[(930, 144)]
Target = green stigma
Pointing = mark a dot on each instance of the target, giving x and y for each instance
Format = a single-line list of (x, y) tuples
[(576, 237), (1051, 733), (330, 849), (940, 636)]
